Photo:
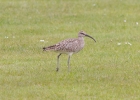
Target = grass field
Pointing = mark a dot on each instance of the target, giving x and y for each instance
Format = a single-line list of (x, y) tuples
[(106, 70)]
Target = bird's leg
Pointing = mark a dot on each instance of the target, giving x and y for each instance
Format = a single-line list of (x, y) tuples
[(69, 62), (57, 68)]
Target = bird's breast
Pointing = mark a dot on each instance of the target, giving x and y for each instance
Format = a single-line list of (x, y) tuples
[(78, 45)]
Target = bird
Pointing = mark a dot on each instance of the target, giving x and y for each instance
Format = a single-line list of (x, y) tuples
[(68, 46)]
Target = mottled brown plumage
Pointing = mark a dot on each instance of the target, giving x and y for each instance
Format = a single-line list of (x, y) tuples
[(68, 46)]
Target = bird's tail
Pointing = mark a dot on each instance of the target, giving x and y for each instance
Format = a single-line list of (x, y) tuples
[(49, 48)]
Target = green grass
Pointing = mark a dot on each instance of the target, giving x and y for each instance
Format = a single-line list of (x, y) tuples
[(101, 71)]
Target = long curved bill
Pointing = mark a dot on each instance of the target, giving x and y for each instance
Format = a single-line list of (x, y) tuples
[(90, 37)]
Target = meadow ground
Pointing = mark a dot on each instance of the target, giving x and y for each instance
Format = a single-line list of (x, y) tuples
[(106, 70)]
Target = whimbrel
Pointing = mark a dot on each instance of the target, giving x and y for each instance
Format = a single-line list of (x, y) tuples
[(68, 46)]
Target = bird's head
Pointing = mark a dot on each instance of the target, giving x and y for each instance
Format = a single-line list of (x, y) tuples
[(82, 34)]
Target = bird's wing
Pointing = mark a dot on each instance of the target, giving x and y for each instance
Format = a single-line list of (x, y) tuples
[(66, 45)]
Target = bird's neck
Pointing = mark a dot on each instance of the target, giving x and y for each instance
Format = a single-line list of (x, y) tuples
[(81, 41), (81, 38)]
